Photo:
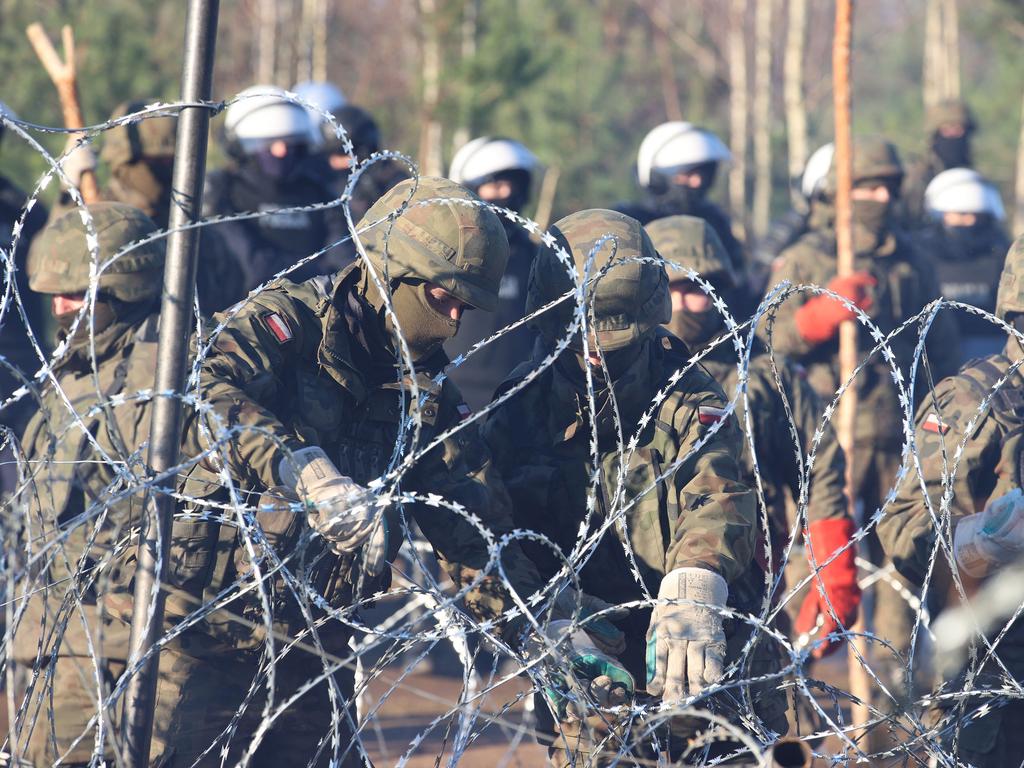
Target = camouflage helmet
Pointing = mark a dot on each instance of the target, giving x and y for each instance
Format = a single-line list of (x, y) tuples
[(629, 300), (949, 111), (60, 259), (130, 142), (873, 158), (1010, 298), (455, 242), (690, 242)]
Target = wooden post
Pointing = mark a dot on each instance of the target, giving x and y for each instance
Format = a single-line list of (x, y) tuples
[(858, 678), (65, 77)]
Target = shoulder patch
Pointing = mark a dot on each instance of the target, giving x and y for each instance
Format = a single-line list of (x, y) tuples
[(708, 415), (934, 424), (278, 325)]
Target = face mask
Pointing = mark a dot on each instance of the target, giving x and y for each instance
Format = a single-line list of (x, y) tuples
[(424, 328), (149, 188), (870, 224), (105, 315), (695, 328), (953, 151), (279, 168), (966, 241)]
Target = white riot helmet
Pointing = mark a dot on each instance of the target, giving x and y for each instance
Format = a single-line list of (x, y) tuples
[(262, 116), (677, 146), (323, 95), (485, 158), (816, 171), (963, 190)]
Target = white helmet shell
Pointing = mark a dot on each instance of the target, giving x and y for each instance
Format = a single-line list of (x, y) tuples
[(321, 94), (265, 114), (816, 170), (675, 145), (485, 156), (963, 190)]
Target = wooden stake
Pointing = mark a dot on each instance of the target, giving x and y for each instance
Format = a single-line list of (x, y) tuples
[(858, 679), (65, 77)]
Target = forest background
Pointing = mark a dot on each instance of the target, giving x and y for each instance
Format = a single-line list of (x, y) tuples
[(579, 81)]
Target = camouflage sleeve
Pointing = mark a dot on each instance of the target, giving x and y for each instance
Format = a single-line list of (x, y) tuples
[(240, 383), (907, 531), (785, 339), (826, 498), (717, 523), (461, 470)]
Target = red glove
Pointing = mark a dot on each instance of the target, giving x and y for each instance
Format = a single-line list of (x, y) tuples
[(839, 578), (819, 319)]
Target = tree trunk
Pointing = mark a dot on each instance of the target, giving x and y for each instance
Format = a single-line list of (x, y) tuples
[(951, 48), (320, 41), (762, 117), (796, 110), (463, 132), (738, 114), (307, 26), (666, 69), (266, 60), (931, 77), (430, 132)]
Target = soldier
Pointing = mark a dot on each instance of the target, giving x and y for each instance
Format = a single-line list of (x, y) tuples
[(689, 243), (892, 283), (15, 346), (676, 167), (270, 140), (83, 451), (970, 458), (690, 535), (965, 236), (501, 172), (306, 401), (949, 127), (789, 227), (362, 130)]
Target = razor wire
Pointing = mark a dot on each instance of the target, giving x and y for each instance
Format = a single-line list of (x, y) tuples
[(392, 635)]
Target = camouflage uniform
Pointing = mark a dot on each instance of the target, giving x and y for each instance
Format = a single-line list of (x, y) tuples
[(702, 515), (312, 364), (72, 524), (905, 283), (989, 466)]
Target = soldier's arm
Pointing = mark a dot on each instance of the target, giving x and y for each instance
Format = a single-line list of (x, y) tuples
[(717, 525), (785, 338), (240, 382), (907, 531), (461, 470)]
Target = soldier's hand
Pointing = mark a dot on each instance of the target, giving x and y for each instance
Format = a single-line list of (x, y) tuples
[(838, 582), (819, 319), (80, 160), (991, 538), (593, 615), (686, 642), (594, 679), (339, 509)]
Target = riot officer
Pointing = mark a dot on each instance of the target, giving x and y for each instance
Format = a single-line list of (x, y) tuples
[(502, 172)]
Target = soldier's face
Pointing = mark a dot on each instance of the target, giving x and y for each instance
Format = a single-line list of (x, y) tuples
[(444, 303), (688, 297), (875, 192), (495, 191), (66, 303), (956, 219)]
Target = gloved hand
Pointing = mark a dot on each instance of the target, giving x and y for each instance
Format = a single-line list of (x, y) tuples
[(582, 609), (339, 509), (597, 678), (819, 319), (992, 537), (686, 642), (80, 160), (838, 578)]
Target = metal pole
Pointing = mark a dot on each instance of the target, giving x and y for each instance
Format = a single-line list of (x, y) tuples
[(171, 368)]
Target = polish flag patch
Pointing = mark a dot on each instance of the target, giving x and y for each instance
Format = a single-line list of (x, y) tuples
[(278, 326), (464, 411), (708, 414), (934, 424)]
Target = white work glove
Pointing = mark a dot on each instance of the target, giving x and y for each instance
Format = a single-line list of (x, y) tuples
[(340, 510), (79, 160), (992, 537), (596, 678), (686, 643)]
